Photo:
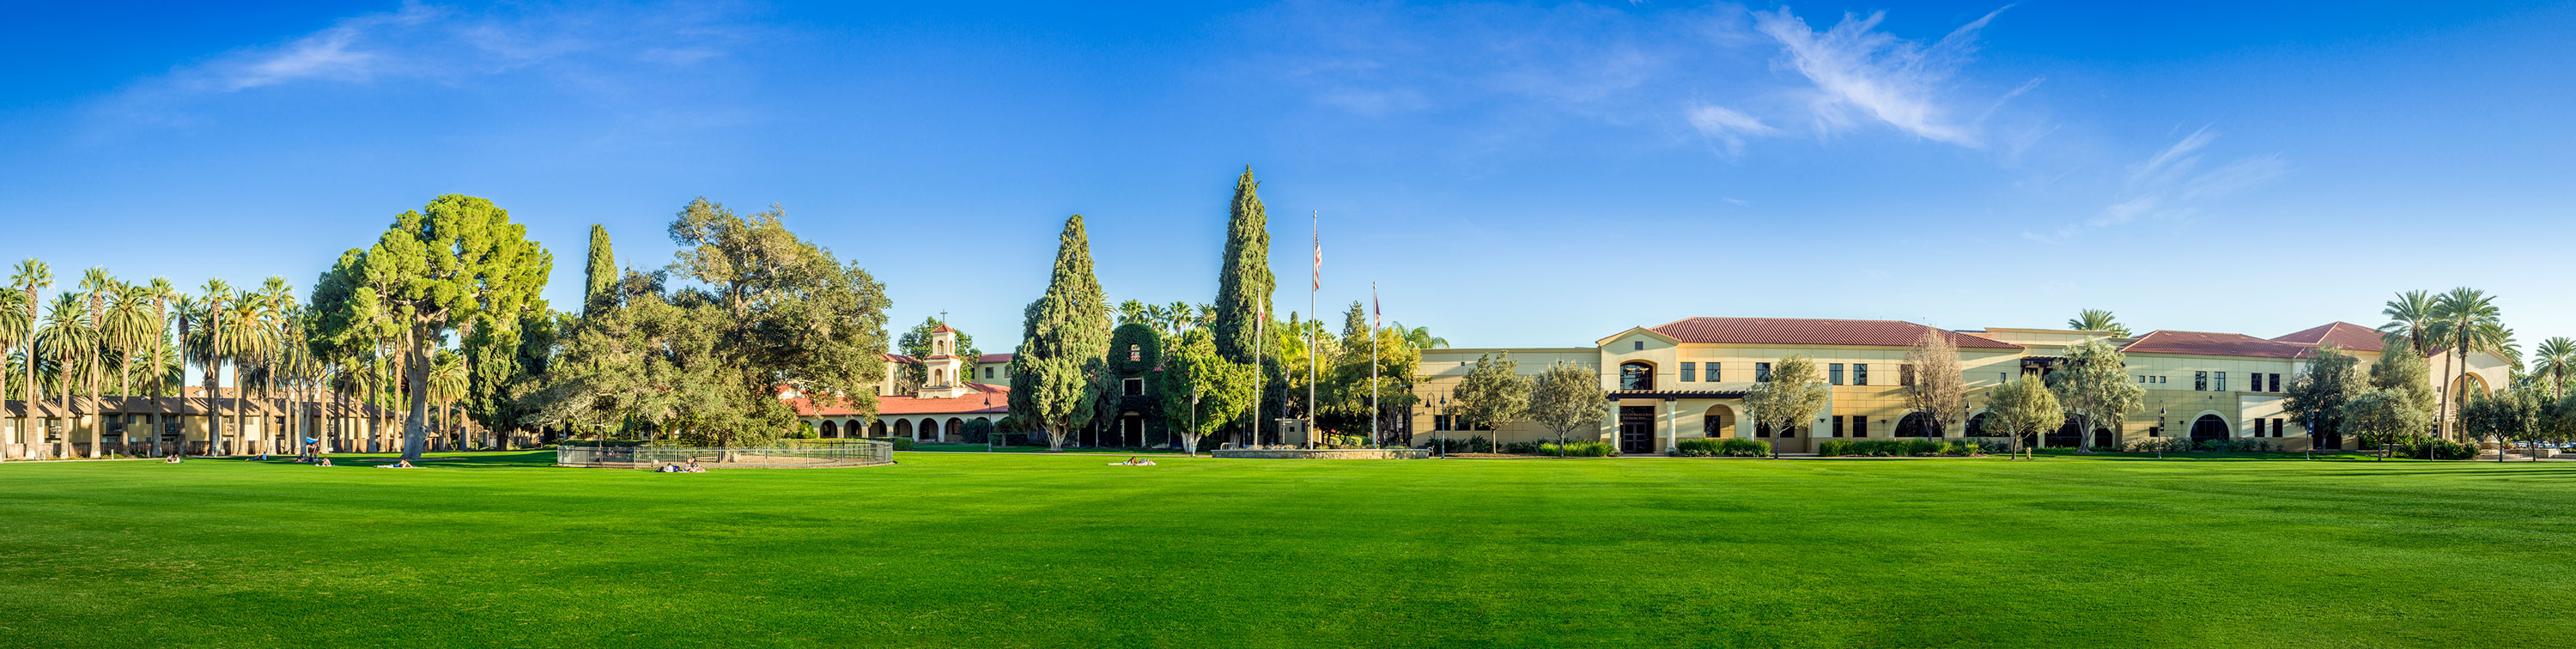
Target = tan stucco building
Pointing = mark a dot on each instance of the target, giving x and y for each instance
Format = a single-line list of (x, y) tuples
[(1688, 379)]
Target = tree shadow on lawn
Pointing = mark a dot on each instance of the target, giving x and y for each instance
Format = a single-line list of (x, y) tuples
[(542, 458)]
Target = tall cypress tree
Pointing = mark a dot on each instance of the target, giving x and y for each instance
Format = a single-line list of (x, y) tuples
[(1243, 281), (600, 278), (1064, 345)]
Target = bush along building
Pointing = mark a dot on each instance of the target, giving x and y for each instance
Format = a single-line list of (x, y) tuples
[(1688, 379)]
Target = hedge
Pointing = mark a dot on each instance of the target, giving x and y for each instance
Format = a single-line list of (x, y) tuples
[(1578, 449)]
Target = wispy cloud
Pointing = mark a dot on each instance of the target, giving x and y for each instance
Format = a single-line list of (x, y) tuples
[(2171, 184), (577, 46), (1727, 126), (1859, 69)]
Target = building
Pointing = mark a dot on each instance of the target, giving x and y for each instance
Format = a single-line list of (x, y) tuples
[(936, 409), (269, 422), (1688, 379)]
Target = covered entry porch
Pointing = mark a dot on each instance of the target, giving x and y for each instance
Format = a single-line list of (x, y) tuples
[(1650, 422)]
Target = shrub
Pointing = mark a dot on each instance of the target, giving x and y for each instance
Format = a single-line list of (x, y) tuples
[(1477, 444), (1921, 446), (2159, 445), (1699, 447), (1523, 448), (1834, 448), (900, 443), (1578, 449), (978, 431), (1740, 447), (2439, 449)]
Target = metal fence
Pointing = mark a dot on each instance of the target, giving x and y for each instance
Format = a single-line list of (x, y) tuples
[(838, 453)]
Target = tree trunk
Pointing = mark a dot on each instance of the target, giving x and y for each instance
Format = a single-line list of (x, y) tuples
[(2442, 406), (416, 375)]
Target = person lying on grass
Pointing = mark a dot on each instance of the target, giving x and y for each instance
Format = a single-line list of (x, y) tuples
[(324, 462), (1134, 461), (170, 460), (398, 464)]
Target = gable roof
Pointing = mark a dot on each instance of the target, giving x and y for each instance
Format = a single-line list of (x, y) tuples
[(993, 359), (1813, 331), (2343, 335), (2211, 343)]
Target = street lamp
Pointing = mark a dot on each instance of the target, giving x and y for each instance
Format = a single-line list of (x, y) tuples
[(1441, 432), (1194, 417)]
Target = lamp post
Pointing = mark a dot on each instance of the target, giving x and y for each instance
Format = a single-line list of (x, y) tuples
[(2160, 428), (1194, 417), (1441, 432)]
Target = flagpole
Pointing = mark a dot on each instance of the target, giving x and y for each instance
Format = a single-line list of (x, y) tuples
[(1315, 224), (1376, 318), (1260, 344)]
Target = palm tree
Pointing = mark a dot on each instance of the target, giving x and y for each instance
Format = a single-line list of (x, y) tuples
[(31, 278), (2410, 317), (16, 330), (1184, 317), (2097, 320), (1420, 337), (162, 293), (446, 385), (128, 331), (2555, 358), (2465, 321), (246, 338), (97, 285), (219, 296), (69, 339), (276, 302), (1133, 311), (191, 311)]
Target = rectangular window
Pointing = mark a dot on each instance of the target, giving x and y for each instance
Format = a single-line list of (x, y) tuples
[(1440, 422), (1690, 371), (1762, 372), (2276, 428), (1135, 387), (1762, 430), (2222, 381), (1860, 426), (1640, 345), (2003, 377), (2276, 383), (1834, 375), (2200, 381), (988, 372), (1838, 425), (1905, 374), (1860, 374), (1712, 372)]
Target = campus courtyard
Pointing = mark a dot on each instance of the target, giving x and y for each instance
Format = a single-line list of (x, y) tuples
[(1019, 550)]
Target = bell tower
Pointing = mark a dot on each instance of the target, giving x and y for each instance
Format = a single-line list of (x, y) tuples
[(944, 365)]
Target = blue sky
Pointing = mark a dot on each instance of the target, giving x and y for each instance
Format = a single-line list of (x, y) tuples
[(1520, 174)]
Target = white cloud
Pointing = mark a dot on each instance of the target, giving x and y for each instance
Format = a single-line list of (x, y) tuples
[(1726, 125), (420, 41), (1857, 68), (2171, 185)]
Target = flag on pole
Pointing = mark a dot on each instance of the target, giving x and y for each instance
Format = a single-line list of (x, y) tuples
[(1377, 312), (1319, 261)]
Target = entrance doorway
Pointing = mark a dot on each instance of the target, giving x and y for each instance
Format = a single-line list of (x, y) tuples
[(1636, 430), (2208, 428)]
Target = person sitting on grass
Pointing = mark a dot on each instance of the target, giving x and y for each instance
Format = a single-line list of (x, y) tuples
[(324, 462), (1134, 461), (668, 468), (170, 460), (693, 467)]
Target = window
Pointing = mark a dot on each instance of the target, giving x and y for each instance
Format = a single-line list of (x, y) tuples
[(1860, 426), (1135, 353), (988, 372), (1635, 375), (1712, 372), (1838, 425), (1762, 372), (2276, 428), (2003, 377), (1835, 375), (1905, 374), (2222, 381), (1860, 374), (1761, 430), (2276, 386), (1134, 387), (1690, 372), (1640, 345), (2200, 381), (1440, 422)]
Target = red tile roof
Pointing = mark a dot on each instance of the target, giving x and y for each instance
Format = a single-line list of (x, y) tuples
[(2343, 335), (2209, 343), (1808, 331), (993, 359), (899, 358)]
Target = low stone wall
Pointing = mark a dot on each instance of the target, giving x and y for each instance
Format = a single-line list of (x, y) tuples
[(1324, 453)]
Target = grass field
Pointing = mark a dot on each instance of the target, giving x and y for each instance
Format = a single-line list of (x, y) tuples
[(982, 550)]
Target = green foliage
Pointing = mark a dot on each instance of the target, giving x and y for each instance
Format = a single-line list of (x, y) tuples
[(1193, 370), (1790, 400), (1908, 447), (1567, 399), (2024, 408), (1443, 443), (2094, 387), (2319, 392), (977, 431), (916, 344), (599, 277), (785, 312), (2159, 445), (1721, 447), (2433, 449), (1243, 281), (1492, 395), (1346, 393), (455, 260), (1578, 449), (2098, 320), (900, 443), (2380, 416), (2402, 371), (1055, 376)]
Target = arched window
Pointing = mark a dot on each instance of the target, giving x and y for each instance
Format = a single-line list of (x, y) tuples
[(1135, 353), (2208, 427), (1636, 375)]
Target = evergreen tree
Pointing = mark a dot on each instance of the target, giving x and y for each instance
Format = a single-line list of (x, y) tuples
[(1064, 344), (1200, 390), (600, 277), (916, 344), (2095, 388), (1243, 282), (2024, 408), (2403, 373), (1492, 395)]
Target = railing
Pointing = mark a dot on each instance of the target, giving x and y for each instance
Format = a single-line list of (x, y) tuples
[(839, 453)]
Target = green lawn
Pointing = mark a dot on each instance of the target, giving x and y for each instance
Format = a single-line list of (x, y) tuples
[(977, 550), (980, 448)]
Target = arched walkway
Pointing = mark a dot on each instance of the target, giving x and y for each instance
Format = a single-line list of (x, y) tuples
[(1982, 425), (829, 429), (902, 428), (856, 428), (1718, 421), (2209, 427), (926, 432), (952, 430), (1916, 424)]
